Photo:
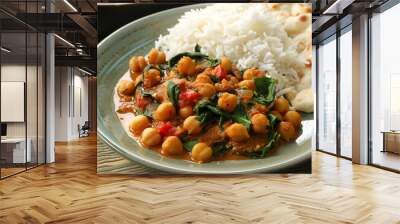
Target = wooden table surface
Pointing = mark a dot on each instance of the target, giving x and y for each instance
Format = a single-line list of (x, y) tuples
[(70, 191)]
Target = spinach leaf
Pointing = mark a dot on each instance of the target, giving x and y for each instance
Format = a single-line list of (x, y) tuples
[(240, 116), (144, 93), (214, 78), (208, 111), (273, 121), (219, 148), (138, 111), (173, 93), (148, 112), (189, 144), (197, 48), (213, 61), (193, 55), (163, 68), (272, 139), (265, 90)]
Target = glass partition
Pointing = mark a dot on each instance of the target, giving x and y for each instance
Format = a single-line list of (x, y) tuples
[(31, 98), (385, 89), (327, 95), (22, 77), (14, 145)]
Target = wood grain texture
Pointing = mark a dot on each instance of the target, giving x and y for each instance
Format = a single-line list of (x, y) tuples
[(111, 162), (70, 191)]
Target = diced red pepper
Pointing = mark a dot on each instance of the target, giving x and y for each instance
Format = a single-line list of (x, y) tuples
[(188, 97), (142, 102), (220, 72), (191, 96), (182, 86), (166, 129)]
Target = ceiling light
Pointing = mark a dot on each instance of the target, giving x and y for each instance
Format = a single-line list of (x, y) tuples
[(84, 71), (5, 50), (65, 41), (70, 5)]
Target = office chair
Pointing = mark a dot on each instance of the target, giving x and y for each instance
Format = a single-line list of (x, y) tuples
[(84, 130)]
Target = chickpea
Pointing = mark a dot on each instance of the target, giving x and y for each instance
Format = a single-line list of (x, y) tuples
[(207, 71), (186, 66), (226, 64), (225, 85), (137, 80), (164, 112), (171, 146), (137, 64), (156, 57), (261, 108), (186, 111), (250, 74), (152, 56), (227, 102), (287, 131), (150, 137), (138, 124), (126, 88), (260, 123), (281, 105), (293, 117), (247, 84), (277, 114), (151, 78), (161, 58), (206, 89), (237, 132), (233, 79), (134, 75), (245, 95), (202, 78), (201, 153), (192, 125)]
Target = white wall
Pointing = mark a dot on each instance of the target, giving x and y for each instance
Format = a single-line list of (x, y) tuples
[(13, 73), (70, 83), (61, 114), (34, 125)]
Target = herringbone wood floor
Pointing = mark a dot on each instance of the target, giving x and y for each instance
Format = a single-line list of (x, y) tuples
[(69, 191)]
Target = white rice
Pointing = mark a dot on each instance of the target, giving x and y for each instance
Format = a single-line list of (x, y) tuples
[(250, 34)]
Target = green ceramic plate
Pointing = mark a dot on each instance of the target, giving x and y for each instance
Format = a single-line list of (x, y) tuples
[(137, 38)]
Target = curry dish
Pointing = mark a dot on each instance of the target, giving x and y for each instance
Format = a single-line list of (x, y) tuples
[(203, 109)]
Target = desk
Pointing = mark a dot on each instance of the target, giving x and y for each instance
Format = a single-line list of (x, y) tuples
[(13, 150), (391, 141)]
